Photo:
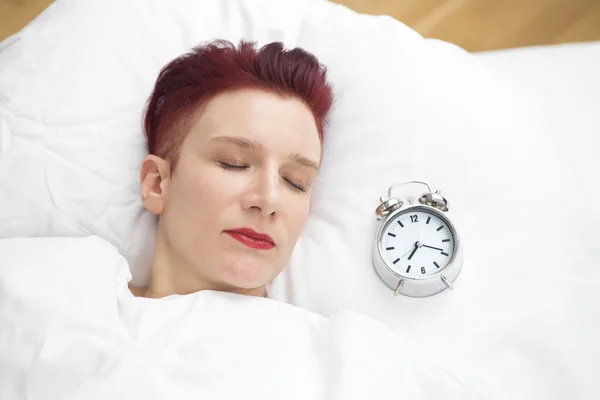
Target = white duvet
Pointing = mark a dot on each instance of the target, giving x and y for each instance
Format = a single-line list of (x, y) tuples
[(63, 339)]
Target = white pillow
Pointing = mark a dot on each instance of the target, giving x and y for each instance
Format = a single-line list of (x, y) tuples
[(71, 96)]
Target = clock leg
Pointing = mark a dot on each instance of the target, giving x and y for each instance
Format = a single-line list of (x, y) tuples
[(400, 283)]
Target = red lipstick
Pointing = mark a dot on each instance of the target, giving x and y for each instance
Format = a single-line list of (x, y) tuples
[(251, 238)]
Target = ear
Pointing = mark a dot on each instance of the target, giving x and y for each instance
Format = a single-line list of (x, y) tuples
[(154, 181)]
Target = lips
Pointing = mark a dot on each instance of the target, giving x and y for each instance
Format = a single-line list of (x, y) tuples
[(251, 238)]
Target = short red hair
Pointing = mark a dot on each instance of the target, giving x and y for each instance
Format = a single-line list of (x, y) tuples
[(191, 80)]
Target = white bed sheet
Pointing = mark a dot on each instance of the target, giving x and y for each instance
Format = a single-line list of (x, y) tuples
[(566, 79)]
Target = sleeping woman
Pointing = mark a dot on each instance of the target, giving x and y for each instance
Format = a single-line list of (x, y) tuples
[(235, 140)]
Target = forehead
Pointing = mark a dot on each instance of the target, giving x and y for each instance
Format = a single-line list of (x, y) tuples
[(279, 124)]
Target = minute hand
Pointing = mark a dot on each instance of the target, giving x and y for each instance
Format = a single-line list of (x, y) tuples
[(431, 247)]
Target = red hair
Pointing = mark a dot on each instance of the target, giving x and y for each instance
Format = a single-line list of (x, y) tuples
[(191, 80)]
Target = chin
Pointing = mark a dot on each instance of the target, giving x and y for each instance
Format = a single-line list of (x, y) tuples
[(248, 274)]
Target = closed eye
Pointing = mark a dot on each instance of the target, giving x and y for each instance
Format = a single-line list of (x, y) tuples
[(295, 186), (235, 167), (241, 167)]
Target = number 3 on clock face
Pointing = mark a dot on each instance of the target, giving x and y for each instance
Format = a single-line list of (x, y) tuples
[(417, 243)]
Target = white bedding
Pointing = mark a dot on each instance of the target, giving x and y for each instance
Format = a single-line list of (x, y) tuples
[(523, 321), (566, 82), (64, 339)]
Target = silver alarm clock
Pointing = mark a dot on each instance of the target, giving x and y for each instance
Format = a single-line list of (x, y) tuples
[(417, 250)]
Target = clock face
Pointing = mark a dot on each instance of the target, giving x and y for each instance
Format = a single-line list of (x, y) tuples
[(417, 243)]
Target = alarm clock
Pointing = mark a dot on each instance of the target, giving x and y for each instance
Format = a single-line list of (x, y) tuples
[(417, 251)]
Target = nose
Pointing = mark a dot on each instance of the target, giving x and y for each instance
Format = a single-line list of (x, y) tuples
[(263, 194)]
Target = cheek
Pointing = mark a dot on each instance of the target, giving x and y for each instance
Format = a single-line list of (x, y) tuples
[(201, 195), (297, 218)]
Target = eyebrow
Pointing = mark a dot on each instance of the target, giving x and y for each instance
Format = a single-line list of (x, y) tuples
[(254, 145)]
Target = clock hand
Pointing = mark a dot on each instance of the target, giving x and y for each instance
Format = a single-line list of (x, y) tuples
[(413, 252), (417, 245), (435, 248), (409, 250)]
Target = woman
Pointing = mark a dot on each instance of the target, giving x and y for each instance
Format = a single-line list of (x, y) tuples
[(234, 138)]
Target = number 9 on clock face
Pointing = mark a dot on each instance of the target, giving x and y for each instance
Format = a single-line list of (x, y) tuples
[(417, 242)]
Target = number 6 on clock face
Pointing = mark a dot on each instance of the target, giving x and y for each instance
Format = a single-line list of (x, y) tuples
[(417, 243)]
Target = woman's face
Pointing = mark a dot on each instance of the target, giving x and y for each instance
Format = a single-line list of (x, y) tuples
[(245, 170)]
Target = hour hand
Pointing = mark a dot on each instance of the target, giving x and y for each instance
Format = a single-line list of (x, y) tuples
[(414, 250)]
